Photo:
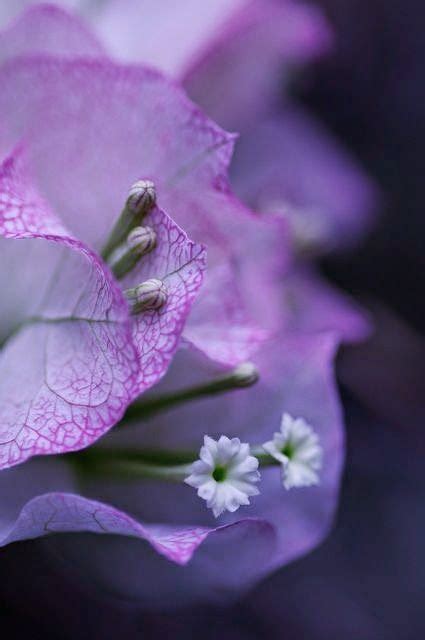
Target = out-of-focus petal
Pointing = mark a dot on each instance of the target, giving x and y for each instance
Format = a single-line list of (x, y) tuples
[(240, 74), (387, 372), (313, 305), (47, 29), (167, 35), (290, 162)]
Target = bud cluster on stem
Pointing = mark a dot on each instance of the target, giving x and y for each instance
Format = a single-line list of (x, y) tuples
[(140, 201)]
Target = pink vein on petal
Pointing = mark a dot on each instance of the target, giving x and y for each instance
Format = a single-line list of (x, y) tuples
[(69, 368)]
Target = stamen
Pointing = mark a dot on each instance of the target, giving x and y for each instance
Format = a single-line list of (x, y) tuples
[(151, 295), (244, 375), (141, 199), (140, 242)]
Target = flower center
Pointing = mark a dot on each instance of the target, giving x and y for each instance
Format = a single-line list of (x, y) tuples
[(288, 450), (219, 474)]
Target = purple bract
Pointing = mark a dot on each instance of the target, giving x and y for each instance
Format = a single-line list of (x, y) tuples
[(76, 131)]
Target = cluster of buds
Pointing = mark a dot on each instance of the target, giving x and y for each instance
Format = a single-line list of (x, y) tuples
[(140, 201), (130, 241)]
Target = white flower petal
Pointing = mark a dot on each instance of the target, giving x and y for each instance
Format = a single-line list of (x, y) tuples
[(299, 475), (303, 453), (207, 490), (239, 474)]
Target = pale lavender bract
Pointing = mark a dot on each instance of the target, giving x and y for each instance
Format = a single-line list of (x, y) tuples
[(277, 528), (90, 128), (69, 367)]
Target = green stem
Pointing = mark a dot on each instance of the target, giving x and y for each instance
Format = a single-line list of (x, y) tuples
[(125, 223), (141, 199), (242, 376), (265, 459), (131, 470), (130, 464), (125, 263)]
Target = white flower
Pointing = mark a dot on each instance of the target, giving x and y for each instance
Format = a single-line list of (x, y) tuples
[(225, 475), (296, 446)]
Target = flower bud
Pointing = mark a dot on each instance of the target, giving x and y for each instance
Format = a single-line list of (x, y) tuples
[(150, 295), (141, 240), (245, 374), (141, 197)]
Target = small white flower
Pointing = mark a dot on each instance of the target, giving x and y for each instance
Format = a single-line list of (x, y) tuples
[(296, 446), (225, 475)]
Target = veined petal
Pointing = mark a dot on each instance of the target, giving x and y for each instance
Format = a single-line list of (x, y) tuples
[(248, 541), (69, 366), (31, 510), (287, 525), (179, 263), (83, 167)]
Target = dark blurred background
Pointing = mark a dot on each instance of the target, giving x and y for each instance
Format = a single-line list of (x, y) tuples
[(367, 581)]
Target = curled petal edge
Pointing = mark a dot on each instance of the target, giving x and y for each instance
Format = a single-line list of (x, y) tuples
[(46, 514)]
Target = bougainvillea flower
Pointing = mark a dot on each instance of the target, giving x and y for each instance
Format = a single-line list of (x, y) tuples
[(189, 169), (225, 474), (296, 446), (71, 152), (220, 558), (72, 359), (90, 128), (234, 64)]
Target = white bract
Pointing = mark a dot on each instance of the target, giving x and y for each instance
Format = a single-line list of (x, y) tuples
[(296, 446), (225, 474)]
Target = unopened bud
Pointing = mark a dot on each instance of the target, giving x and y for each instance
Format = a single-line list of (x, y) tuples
[(141, 240), (245, 374), (150, 295), (141, 197)]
